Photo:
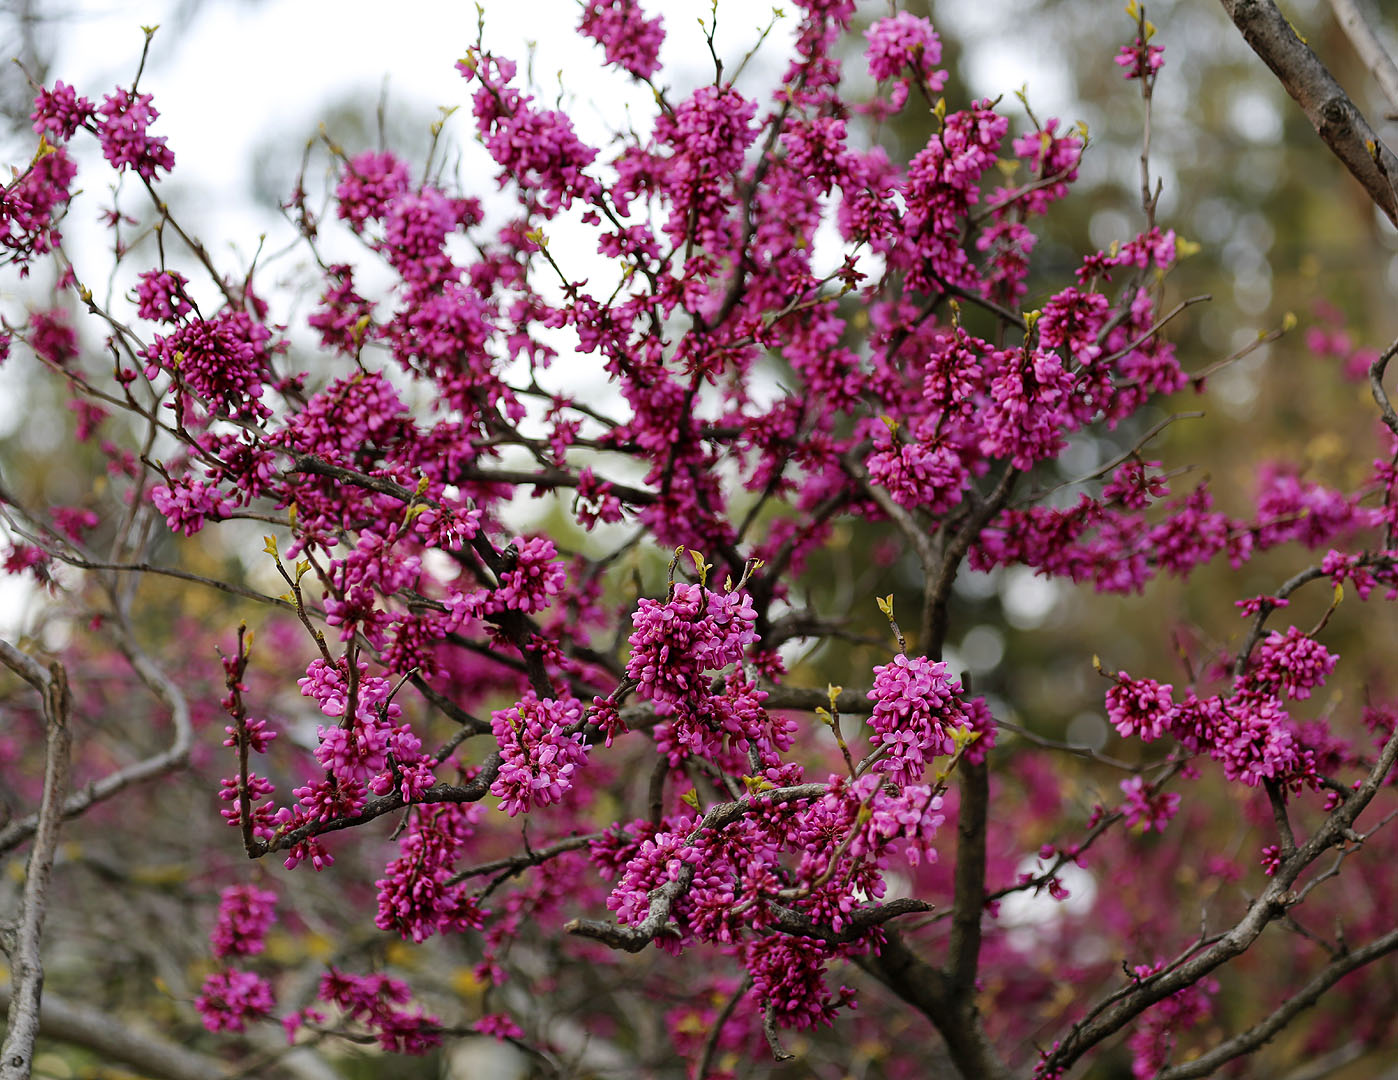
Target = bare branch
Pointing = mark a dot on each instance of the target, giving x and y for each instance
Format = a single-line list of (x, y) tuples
[(1308, 995), (1267, 908), (27, 968), (25, 666), (701, 1068), (1366, 43), (1336, 119), (525, 859), (1376, 372), (117, 1041)]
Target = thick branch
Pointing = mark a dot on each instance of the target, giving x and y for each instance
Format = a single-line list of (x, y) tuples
[(27, 968), (797, 697), (116, 1041), (857, 924), (965, 946), (1336, 119), (25, 666), (929, 991)]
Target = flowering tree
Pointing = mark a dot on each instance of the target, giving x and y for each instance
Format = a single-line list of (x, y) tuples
[(576, 753)]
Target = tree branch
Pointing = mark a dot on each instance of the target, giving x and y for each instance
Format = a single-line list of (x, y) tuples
[(1308, 995), (116, 1041), (1271, 905), (964, 947), (25, 666), (1336, 119), (1366, 43), (929, 991), (27, 968), (662, 898), (472, 791)]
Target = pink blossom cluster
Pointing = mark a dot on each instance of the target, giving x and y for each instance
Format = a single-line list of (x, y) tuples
[(534, 579), (417, 894), (123, 133), (222, 360), (916, 709), (61, 111), (229, 999), (943, 184), (1147, 807), (161, 296), (368, 186), (541, 748), (788, 976), (675, 642), (904, 41), (1139, 60), (499, 1026), (368, 747), (1249, 731), (535, 148), (882, 819), (30, 208), (373, 1000), (188, 504), (919, 474), (631, 41), (1293, 663), (706, 138), (244, 914), (728, 728)]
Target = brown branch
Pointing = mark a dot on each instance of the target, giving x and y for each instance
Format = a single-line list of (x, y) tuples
[(516, 863), (799, 697), (549, 479), (928, 990), (706, 1055), (937, 591), (1249, 1040), (1267, 908), (857, 923), (1335, 118), (1376, 372), (27, 968), (964, 948), (472, 791), (25, 666)]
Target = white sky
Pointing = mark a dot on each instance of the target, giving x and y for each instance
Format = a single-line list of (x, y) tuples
[(239, 70)]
